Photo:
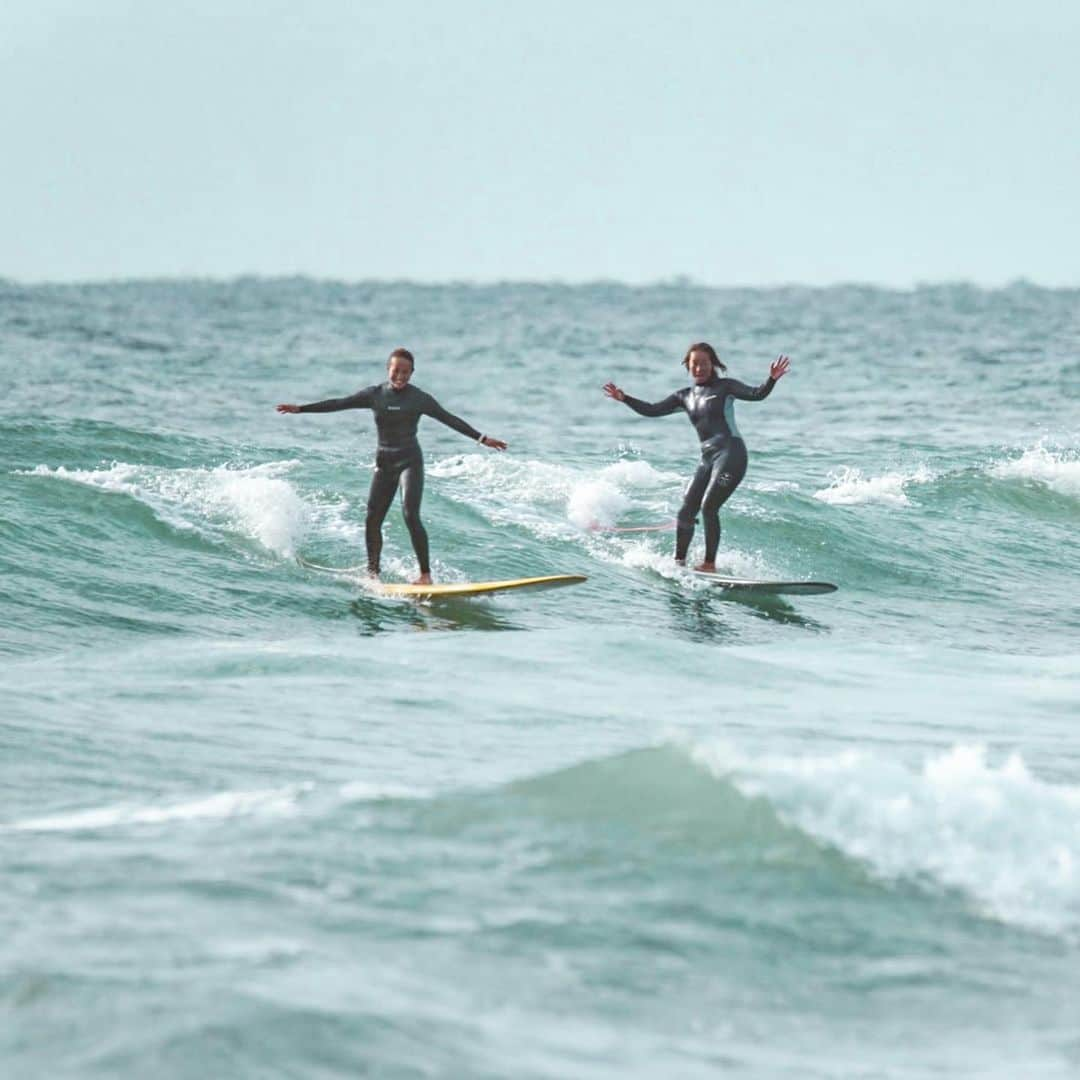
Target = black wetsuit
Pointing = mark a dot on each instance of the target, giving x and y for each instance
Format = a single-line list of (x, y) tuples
[(711, 409), (398, 460)]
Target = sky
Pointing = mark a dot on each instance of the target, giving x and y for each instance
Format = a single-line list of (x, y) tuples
[(729, 142)]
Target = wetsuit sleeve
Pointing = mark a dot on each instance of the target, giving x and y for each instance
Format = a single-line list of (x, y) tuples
[(362, 399), (433, 409), (750, 393), (657, 408)]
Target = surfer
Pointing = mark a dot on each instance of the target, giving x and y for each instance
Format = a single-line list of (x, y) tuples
[(399, 462), (710, 404)]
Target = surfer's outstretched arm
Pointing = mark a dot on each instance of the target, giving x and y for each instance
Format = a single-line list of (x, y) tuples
[(362, 399), (777, 370), (743, 392), (672, 403), (433, 409)]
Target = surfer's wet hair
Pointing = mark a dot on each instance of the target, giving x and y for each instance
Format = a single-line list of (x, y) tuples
[(708, 350), (402, 354)]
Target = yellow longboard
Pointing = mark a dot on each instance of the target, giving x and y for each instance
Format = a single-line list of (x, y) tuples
[(448, 589), (477, 588)]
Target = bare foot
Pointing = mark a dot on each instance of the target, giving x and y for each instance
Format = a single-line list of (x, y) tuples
[(373, 575), (423, 579), (706, 568)]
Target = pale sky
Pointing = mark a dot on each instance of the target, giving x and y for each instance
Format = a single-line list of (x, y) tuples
[(736, 143)]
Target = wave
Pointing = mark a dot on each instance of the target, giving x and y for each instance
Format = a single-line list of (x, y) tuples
[(1057, 470), (1006, 840), (1001, 836), (849, 487), (958, 824), (256, 502), (660, 790), (774, 531)]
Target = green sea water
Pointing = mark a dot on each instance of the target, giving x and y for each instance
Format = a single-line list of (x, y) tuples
[(259, 822)]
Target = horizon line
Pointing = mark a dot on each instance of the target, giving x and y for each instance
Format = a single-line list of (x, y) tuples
[(675, 281)]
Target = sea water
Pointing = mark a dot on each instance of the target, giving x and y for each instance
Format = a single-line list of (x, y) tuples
[(260, 822)]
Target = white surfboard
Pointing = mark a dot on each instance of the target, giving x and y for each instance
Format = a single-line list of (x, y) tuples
[(765, 587)]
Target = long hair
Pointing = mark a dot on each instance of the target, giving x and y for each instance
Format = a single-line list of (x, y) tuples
[(710, 352)]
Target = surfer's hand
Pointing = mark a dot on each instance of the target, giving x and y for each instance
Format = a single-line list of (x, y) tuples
[(288, 408), (779, 367), (613, 391), (494, 444)]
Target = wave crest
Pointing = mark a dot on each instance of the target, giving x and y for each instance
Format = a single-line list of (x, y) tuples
[(849, 487), (1059, 471), (256, 501), (1005, 838)]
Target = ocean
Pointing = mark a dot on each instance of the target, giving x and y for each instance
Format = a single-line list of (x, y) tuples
[(259, 821)]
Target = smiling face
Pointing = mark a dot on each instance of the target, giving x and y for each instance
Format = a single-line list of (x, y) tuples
[(700, 365), (399, 372)]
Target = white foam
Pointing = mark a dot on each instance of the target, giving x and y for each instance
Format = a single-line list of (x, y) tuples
[(499, 484), (547, 498), (771, 487), (601, 499), (255, 501), (639, 555), (595, 502), (744, 564), (1005, 838), (226, 804), (636, 473), (1059, 470), (849, 487)]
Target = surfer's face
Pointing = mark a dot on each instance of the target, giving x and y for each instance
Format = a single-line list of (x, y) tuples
[(700, 366), (399, 372)]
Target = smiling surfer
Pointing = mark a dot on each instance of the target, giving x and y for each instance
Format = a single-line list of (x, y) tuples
[(399, 462), (710, 404)]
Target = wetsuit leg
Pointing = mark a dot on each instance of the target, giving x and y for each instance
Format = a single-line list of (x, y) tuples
[(381, 495), (412, 491), (695, 492), (728, 469)]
